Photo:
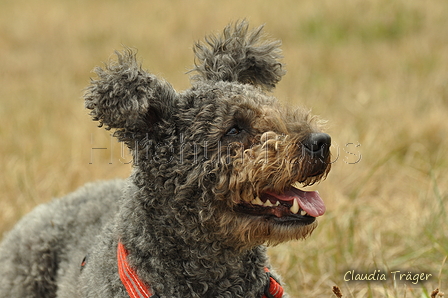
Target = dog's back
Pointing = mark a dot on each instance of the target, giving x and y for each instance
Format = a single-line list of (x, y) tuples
[(53, 239)]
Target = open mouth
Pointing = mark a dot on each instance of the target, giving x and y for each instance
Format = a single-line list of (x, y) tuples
[(292, 205)]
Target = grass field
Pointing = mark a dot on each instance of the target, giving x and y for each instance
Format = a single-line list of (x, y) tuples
[(377, 70)]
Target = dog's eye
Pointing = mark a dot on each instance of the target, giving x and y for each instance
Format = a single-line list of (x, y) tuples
[(234, 131)]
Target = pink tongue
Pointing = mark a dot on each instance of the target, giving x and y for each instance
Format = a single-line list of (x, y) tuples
[(309, 201)]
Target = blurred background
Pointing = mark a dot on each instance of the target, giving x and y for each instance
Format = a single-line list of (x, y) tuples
[(377, 70)]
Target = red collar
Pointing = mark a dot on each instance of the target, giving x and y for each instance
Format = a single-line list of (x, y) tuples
[(273, 289), (134, 286), (138, 289)]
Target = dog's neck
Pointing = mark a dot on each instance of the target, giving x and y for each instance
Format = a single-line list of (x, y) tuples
[(185, 254)]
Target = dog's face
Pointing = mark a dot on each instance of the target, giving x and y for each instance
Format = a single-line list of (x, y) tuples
[(256, 153), (223, 154)]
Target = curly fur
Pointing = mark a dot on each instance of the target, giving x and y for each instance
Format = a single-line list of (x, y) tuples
[(239, 56), (198, 156)]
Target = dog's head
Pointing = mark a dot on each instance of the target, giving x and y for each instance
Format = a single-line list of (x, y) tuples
[(223, 155)]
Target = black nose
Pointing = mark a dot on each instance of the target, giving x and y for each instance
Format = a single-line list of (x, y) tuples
[(317, 143)]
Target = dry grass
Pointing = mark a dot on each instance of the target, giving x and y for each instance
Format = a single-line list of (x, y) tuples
[(377, 70)]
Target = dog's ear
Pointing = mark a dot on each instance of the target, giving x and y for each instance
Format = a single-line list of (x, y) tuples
[(129, 99), (239, 55)]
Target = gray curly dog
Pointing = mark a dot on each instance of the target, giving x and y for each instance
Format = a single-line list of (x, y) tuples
[(215, 171)]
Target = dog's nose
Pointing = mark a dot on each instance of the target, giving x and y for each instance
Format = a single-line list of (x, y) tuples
[(317, 142)]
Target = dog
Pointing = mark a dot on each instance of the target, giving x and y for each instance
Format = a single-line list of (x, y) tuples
[(215, 178)]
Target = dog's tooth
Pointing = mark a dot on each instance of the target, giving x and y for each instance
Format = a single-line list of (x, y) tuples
[(277, 203), (257, 201), (268, 204), (295, 207), (302, 212)]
